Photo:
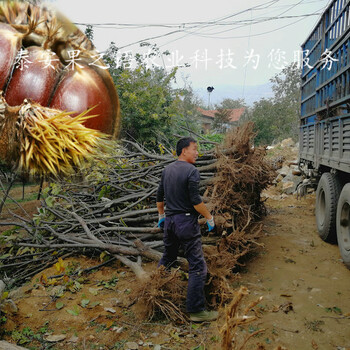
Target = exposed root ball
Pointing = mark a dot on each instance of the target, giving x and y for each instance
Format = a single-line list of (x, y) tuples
[(225, 257), (242, 175), (163, 293)]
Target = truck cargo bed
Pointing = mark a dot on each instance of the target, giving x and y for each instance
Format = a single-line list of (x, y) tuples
[(327, 143)]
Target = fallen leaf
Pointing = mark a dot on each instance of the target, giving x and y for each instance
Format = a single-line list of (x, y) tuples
[(75, 311), (84, 302), (118, 329), (314, 345), (131, 345), (289, 260), (109, 309), (59, 305), (60, 268), (95, 303), (93, 291), (53, 338), (73, 339)]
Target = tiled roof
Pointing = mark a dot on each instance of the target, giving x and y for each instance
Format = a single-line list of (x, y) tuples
[(235, 114)]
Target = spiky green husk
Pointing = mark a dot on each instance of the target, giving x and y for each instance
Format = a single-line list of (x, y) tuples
[(52, 142)]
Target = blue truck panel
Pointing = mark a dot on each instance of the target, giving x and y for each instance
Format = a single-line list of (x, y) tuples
[(324, 149), (326, 65)]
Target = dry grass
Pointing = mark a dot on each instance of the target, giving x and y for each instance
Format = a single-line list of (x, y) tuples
[(236, 317)]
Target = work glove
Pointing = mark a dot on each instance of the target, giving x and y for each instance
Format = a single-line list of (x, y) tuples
[(161, 219), (211, 224)]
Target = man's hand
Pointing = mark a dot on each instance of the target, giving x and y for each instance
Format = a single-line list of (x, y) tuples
[(211, 224), (161, 219)]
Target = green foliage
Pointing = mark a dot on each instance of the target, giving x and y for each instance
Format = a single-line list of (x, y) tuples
[(3, 319), (45, 328), (334, 309), (89, 32), (215, 137), (264, 115), (150, 106), (26, 335), (105, 190), (221, 120), (119, 345), (84, 302), (277, 118), (75, 311), (22, 337), (286, 86), (110, 284), (186, 105), (59, 305), (229, 103)]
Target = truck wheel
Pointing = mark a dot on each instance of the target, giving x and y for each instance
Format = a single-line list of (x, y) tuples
[(327, 195), (343, 224)]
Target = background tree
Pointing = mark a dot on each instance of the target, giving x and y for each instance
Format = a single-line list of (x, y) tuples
[(229, 103), (89, 32), (264, 114), (286, 86), (287, 89), (221, 120), (187, 103), (151, 109), (277, 118), (222, 116)]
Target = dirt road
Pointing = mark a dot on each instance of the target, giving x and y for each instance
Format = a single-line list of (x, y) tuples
[(305, 289), (301, 278)]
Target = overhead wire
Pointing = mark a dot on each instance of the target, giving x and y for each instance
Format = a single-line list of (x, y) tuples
[(172, 25), (196, 28), (260, 6), (267, 5), (317, 12), (257, 34), (246, 66), (271, 18)]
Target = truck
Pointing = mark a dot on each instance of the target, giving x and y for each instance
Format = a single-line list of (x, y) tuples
[(324, 134)]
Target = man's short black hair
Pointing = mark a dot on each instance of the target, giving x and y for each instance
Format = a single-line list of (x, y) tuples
[(183, 143)]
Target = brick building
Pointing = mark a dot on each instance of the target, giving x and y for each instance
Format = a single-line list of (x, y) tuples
[(207, 117)]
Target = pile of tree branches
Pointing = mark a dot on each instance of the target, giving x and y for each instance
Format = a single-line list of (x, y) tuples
[(111, 208), (108, 207)]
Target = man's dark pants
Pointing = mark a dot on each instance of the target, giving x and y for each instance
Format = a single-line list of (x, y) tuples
[(183, 229)]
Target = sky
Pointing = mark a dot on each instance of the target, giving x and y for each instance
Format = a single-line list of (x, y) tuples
[(230, 45)]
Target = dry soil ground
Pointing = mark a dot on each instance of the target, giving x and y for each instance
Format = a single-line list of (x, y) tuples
[(305, 289)]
